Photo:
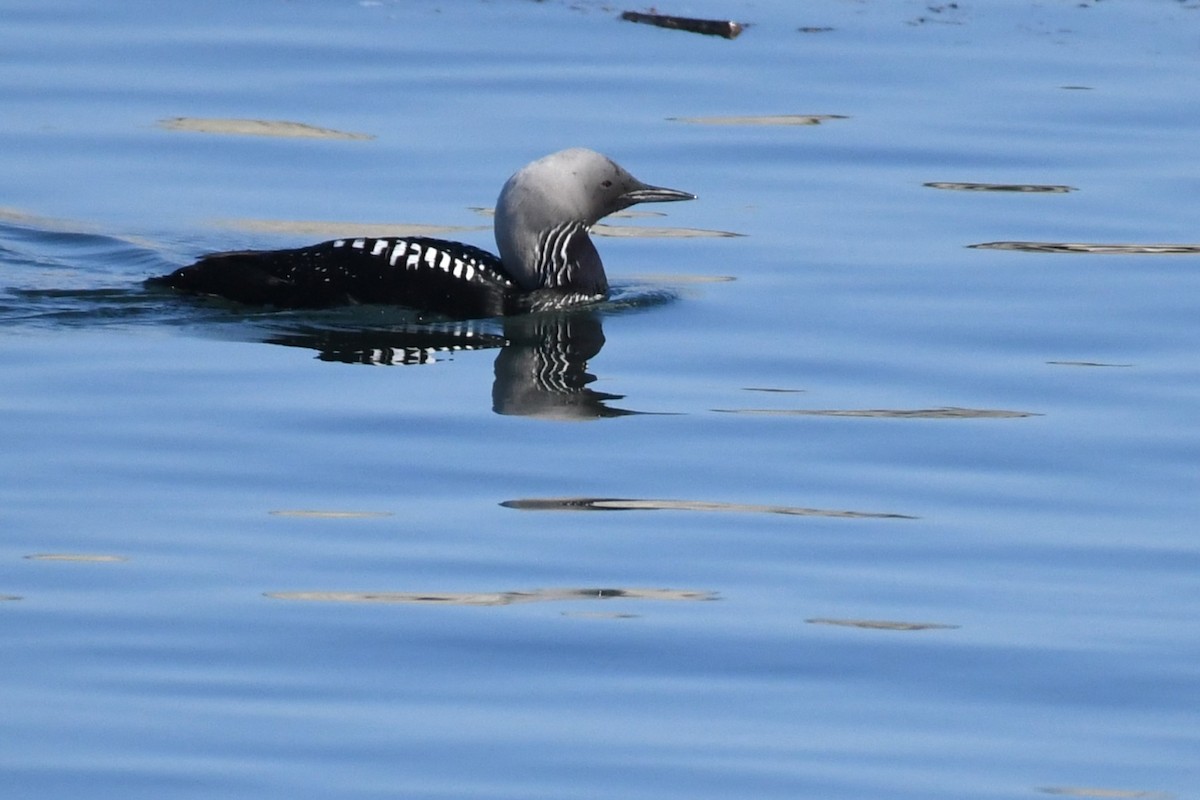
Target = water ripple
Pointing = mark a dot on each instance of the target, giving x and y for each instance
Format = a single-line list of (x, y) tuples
[(496, 598), (629, 504)]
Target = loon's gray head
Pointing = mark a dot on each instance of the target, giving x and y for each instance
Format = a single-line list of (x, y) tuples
[(546, 209)]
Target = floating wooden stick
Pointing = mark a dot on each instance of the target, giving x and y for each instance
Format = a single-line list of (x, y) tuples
[(727, 29)]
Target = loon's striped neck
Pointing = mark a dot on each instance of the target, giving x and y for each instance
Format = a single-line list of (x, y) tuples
[(567, 260)]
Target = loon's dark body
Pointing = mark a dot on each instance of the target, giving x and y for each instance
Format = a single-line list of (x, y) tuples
[(444, 277)]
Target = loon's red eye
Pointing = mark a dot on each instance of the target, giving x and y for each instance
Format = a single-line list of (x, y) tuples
[(606, 184)]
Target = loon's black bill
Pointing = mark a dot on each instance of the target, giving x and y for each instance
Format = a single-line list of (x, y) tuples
[(656, 194)]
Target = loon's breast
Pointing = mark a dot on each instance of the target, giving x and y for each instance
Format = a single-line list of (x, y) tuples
[(446, 277)]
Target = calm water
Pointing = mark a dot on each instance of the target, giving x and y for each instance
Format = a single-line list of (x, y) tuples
[(901, 518)]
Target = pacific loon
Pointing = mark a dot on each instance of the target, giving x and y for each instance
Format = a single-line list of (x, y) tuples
[(547, 260)]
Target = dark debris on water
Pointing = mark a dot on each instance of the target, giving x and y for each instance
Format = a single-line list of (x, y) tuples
[(727, 29)]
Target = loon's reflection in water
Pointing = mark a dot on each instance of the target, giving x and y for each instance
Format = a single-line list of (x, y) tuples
[(392, 346), (541, 369)]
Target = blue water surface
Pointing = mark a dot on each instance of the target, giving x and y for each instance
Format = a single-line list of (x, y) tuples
[(838, 507)]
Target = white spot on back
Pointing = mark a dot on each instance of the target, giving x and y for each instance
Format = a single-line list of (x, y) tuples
[(380, 246), (397, 252), (358, 244)]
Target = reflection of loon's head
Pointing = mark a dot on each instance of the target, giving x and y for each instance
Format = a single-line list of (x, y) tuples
[(546, 209)]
